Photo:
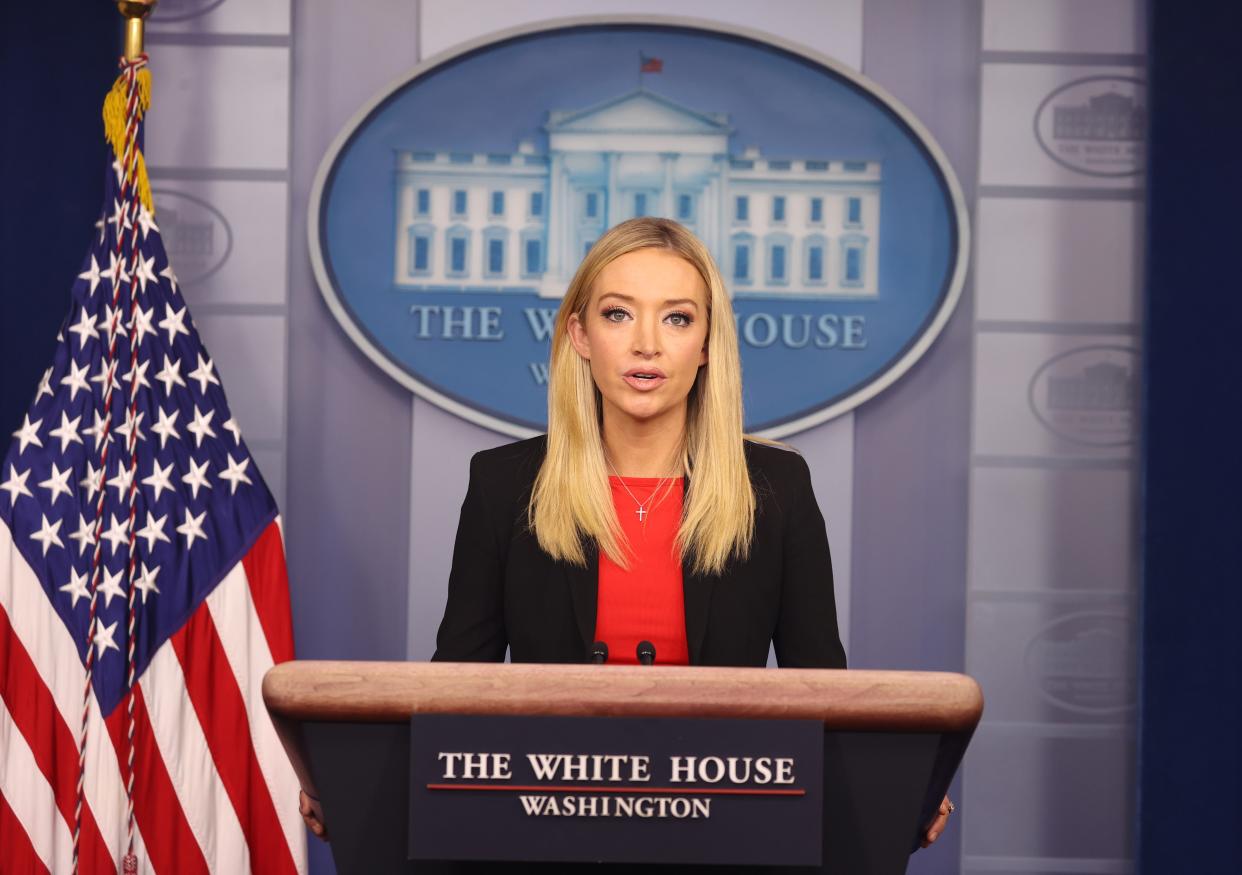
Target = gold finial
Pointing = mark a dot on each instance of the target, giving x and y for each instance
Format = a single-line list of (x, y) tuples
[(135, 12)]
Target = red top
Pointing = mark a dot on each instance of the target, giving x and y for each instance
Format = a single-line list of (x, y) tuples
[(644, 603)]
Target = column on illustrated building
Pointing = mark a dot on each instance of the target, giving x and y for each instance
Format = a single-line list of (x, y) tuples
[(724, 195), (667, 163), (614, 211)]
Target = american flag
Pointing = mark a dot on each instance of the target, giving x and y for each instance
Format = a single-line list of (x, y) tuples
[(143, 592)]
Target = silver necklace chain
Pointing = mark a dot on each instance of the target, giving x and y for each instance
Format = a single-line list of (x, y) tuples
[(642, 511)]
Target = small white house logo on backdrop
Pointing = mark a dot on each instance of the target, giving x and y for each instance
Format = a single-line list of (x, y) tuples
[(1085, 662), (196, 234), (169, 11), (1095, 125), (1088, 395)]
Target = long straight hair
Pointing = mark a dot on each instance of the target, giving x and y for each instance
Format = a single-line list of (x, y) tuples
[(571, 503)]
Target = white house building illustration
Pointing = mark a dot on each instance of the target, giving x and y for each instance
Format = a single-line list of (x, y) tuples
[(522, 221)]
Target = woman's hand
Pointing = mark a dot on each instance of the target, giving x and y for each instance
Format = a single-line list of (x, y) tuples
[(936, 827), (313, 815)]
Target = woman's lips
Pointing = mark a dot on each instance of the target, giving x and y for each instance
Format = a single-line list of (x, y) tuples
[(643, 379)]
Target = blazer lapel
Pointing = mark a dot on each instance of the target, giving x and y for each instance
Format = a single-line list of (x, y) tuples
[(584, 590), (697, 597)]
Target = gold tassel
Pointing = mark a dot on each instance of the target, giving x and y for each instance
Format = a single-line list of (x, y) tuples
[(115, 119)]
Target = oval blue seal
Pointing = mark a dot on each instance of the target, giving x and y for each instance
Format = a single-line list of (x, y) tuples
[(449, 215)]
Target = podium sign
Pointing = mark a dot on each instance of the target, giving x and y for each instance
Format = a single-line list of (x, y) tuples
[(616, 790)]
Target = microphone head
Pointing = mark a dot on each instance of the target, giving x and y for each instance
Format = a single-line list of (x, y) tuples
[(646, 653), (599, 652)]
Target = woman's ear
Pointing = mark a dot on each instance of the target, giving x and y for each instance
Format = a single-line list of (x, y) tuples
[(578, 336)]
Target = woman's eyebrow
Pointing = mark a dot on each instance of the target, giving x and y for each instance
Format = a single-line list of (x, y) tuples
[(671, 302)]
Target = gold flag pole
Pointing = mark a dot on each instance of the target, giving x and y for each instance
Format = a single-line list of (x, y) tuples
[(135, 12)]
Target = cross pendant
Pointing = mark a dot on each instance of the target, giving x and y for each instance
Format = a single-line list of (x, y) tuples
[(642, 513)]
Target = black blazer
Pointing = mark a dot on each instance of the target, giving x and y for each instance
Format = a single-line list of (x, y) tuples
[(505, 591)]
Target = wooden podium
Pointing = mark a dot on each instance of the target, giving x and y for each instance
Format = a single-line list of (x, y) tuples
[(892, 741)]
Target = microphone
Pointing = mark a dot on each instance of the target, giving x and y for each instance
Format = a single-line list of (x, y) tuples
[(646, 653), (599, 653)]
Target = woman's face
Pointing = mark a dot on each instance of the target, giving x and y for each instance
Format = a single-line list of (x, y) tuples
[(644, 333)]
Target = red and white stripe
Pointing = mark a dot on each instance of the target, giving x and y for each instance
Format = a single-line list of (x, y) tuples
[(214, 791)]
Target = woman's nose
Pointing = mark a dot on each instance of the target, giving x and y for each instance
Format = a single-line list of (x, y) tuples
[(646, 339)]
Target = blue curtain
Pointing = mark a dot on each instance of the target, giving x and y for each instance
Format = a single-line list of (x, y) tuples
[(58, 62), (1190, 742)]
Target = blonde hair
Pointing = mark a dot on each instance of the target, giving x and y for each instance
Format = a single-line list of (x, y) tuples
[(571, 503)]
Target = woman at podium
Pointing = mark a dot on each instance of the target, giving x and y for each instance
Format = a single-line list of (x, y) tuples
[(644, 525), (644, 515)]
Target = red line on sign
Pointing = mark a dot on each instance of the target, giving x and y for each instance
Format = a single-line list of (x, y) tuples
[(705, 791)]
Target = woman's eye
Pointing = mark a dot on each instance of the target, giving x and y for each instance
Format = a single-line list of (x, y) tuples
[(615, 314), (680, 319)]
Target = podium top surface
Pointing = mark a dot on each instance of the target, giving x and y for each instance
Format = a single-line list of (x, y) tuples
[(386, 692)]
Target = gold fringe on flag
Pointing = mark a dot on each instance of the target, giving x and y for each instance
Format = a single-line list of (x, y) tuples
[(115, 119)]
